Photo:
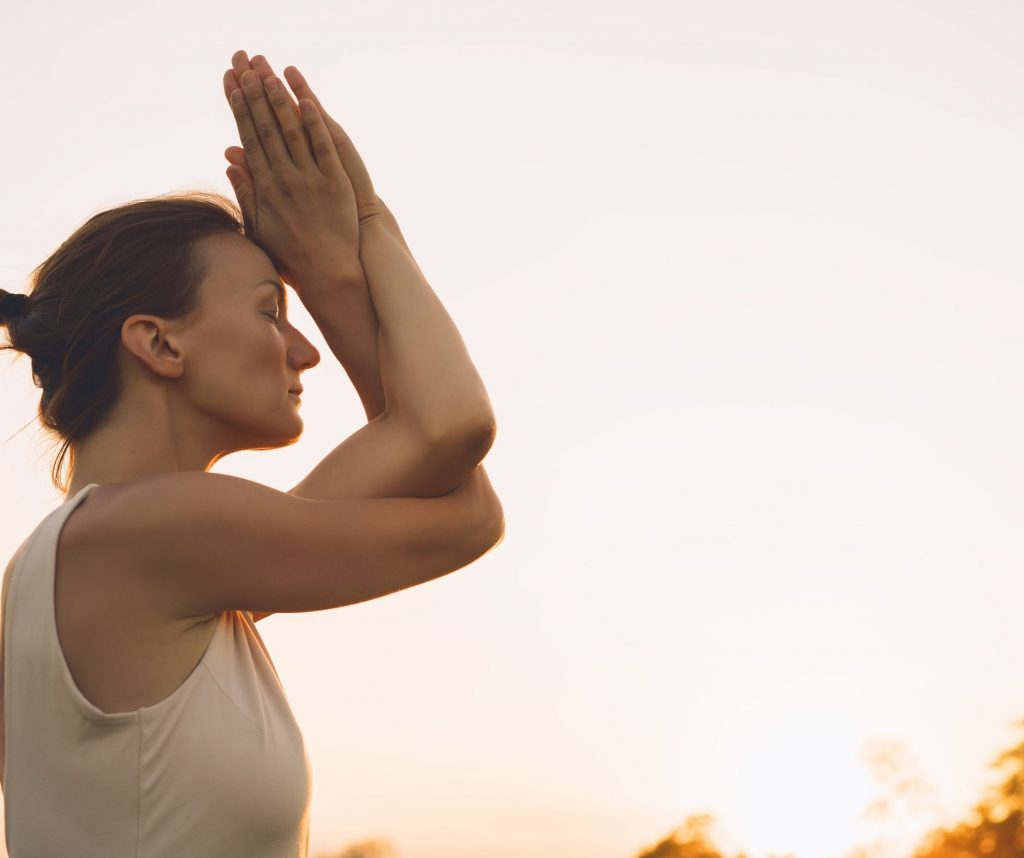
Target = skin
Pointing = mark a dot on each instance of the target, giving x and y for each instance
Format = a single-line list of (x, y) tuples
[(368, 205), (198, 389)]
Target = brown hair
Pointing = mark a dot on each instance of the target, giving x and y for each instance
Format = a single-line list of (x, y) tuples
[(141, 257)]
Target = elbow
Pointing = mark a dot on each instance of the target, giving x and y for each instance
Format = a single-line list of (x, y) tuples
[(481, 436), (479, 442), (471, 422), (468, 448), (492, 523), (454, 455), (475, 436), (499, 528)]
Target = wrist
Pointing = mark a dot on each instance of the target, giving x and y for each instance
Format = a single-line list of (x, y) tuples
[(317, 285)]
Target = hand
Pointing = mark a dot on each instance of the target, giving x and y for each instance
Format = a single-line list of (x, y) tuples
[(296, 199), (367, 202), (369, 205)]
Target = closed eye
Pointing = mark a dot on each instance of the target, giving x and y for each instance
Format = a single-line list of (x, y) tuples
[(272, 318)]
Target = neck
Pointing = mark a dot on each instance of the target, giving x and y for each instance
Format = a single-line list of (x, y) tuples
[(140, 442)]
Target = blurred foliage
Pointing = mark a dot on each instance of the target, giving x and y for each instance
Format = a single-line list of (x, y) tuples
[(995, 826), (363, 849), (692, 840)]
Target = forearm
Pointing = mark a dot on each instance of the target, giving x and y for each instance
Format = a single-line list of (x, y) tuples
[(386, 458), (348, 321), (426, 372), (392, 460), (342, 307)]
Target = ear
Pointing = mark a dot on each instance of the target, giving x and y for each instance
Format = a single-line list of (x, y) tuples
[(152, 341)]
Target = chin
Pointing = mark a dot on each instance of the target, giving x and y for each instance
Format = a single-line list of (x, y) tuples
[(282, 436), (296, 433)]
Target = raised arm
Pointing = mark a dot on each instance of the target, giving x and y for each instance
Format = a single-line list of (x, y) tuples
[(436, 386), (366, 294), (428, 380)]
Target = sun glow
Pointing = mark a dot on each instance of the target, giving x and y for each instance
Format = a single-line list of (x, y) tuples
[(802, 789)]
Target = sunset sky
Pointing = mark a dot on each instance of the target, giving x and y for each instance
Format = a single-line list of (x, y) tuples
[(744, 283)]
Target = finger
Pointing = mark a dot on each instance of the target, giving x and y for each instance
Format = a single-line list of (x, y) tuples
[(241, 179), (240, 65), (259, 166), (238, 174), (291, 125), (323, 146), (265, 122), (244, 189), (230, 83), (233, 76), (244, 192), (236, 155), (302, 89), (261, 66), (350, 159)]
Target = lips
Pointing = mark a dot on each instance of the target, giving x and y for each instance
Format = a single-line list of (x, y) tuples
[(296, 390)]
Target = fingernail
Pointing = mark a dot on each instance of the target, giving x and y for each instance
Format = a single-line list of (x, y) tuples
[(272, 83), (248, 77)]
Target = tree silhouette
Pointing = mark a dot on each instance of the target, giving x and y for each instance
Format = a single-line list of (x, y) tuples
[(995, 827), (364, 849), (903, 795), (691, 840)]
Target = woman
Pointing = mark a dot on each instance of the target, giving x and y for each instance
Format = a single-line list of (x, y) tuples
[(142, 713)]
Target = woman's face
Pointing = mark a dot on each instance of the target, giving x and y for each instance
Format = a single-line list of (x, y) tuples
[(242, 355)]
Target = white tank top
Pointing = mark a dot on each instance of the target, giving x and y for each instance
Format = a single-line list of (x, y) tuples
[(216, 769)]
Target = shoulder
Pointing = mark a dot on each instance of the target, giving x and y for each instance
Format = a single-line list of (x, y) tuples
[(113, 509), (99, 554), (91, 523)]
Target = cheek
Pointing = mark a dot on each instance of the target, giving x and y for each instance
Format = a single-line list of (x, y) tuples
[(242, 359), (264, 356)]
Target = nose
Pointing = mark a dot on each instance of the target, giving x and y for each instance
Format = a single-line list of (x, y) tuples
[(304, 355)]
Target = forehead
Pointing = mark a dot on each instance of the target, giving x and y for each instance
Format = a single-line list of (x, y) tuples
[(238, 269)]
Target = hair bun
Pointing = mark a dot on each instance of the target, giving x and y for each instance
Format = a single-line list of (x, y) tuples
[(12, 305)]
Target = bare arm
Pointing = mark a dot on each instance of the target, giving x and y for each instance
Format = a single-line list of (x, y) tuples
[(426, 372), (320, 220), (430, 386)]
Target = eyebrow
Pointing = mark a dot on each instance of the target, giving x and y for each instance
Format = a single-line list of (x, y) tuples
[(280, 291)]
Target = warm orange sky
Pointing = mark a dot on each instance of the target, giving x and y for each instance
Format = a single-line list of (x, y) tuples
[(743, 281)]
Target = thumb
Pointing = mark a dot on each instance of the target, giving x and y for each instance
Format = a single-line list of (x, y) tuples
[(242, 184)]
